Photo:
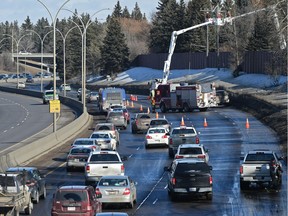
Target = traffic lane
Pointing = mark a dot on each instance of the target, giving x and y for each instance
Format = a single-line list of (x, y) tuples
[(225, 158), (22, 116)]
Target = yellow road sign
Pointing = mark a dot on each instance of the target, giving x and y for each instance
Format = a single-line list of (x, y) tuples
[(54, 106)]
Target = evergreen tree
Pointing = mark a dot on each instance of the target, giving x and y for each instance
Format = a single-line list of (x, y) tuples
[(125, 13), (114, 52), (136, 13), (117, 10)]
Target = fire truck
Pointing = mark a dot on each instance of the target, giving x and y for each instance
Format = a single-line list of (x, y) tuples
[(184, 97)]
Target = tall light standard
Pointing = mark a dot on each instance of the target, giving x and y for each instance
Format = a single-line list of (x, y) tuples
[(64, 54), (42, 48), (54, 53), (83, 34), (17, 51)]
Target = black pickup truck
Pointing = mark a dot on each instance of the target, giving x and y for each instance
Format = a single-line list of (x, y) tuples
[(189, 177)]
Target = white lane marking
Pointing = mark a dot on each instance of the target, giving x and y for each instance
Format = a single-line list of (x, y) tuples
[(150, 193), (61, 165), (166, 186), (5, 131), (130, 156), (155, 201), (18, 124), (138, 148), (12, 127)]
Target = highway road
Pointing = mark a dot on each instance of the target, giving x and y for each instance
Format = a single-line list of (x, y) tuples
[(226, 138)]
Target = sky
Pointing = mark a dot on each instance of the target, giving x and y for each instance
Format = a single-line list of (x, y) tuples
[(11, 10)]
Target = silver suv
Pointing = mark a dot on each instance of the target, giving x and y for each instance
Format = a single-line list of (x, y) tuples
[(160, 122), (181, 135), (117, 118), (192, 151), (108, 127)]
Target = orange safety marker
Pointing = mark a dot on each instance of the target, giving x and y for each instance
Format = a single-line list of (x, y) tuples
[(157, 115), (182, 122), (247, 124), (132, 104), (148, 110), (205, 123), (136, 98), (141, 108)]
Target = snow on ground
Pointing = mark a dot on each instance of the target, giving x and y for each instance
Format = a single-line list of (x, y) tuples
[(142, 75)]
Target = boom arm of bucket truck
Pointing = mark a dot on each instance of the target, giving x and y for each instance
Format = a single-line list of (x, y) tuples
[(216, 21)]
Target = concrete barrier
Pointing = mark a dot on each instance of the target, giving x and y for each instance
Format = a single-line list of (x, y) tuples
[(35, 149)]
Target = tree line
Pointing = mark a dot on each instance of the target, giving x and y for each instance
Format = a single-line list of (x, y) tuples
[(114, 43)]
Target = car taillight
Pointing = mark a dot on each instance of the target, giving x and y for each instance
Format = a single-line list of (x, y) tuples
[(170, 142), (210, 180), (197, 140), (201, 156), (241, 169), (122, 168), (70, 157), (178, 156), (97, 191), (148, 137), (173, 181), (87, 169), (89, 208), (165, 136), (126, 191)]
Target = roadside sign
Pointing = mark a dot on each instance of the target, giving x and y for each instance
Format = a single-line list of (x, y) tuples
[(54, 106)]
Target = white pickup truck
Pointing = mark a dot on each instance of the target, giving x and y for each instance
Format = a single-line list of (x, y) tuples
[(255, 167), (14, 195), (102, 163)]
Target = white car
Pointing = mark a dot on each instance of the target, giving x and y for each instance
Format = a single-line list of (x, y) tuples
[(67, 87), (117, 189), (86, 143), (156, 136), (21, 85), (105, 139), (192, 151)]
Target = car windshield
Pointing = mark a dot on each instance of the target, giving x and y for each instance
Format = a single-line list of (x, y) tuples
[(188, 168), (259, 157), (154, 131), (97, 135), (104, 128), (83, 142), (71, 196), (183, 131), (104, 157), (145, 117), (114, 182), (80, 151), (158, 122), (190, 151)]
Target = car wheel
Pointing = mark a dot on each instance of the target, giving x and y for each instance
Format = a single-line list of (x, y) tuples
[(209, 196), (44, 195), (36, 199), (244, 185), (162, 107), (131, 205), (68, 169), (173, 196), (28, 209), (16, 212), (171, 153), (146, 146), (133, 131)]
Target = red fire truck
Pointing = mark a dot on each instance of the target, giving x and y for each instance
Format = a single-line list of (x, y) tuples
[(185, 97)]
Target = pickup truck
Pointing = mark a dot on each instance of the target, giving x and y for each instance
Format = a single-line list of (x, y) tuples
[(102, 163), (181, 135), (255, 168), (14, 195), (190, 176)]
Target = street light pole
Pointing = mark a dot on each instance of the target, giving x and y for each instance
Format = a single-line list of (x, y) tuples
[(17, 50), (64, 37), (42, 48), (54, 54), (84, 34)]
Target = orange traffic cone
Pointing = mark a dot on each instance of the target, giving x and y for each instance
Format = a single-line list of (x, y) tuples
[(205, 123), (157, 115), (182, 122), (132, 104), (136, 98), (247, 124), (141, 108), (148, 110)]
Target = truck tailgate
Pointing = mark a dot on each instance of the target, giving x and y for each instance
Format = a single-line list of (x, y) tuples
[(256, 169), (100, 169)]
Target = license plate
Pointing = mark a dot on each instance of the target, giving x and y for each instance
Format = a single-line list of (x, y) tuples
[(157, 140), (76, 160), (192, 189), (112, 193), (72, 208)]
